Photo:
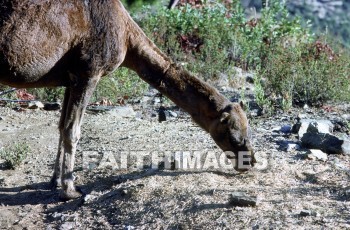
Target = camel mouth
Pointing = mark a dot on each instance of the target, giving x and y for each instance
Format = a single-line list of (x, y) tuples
[(242, 161)]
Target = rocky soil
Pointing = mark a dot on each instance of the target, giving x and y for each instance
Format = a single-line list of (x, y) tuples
[(292, 189)]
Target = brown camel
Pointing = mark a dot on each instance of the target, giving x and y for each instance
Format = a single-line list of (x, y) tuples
[(73, 43)]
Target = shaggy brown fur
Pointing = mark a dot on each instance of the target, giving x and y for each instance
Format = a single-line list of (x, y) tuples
[(73, 43)]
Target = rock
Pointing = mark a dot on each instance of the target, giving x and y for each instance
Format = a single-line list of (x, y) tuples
[(242, 200), (286, 129), (256, 112), (346, 117), (308, 213), (35, 105), (347, 192), (346, 147), (316, 154), (302, 116), (161, 114), (122, 112), (164, 114), (57, 215), (316, 134), (326, 142), (156, 100), (173, 114), (1, 119), (314, 126), (67, 226), (340, 126), (292, 147), (88, 199), (124, 192), (276, 129), (249, 78), (52, 106)]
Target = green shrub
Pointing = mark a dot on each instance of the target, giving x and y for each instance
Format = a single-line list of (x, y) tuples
[(123, 83), (301, 74), (48, 94), (14, 155), (216, 37)]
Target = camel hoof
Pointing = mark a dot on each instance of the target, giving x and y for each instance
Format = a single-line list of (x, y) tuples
[(71, 194)]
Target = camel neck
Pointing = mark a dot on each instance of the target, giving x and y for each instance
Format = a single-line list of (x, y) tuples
[(203, 102)]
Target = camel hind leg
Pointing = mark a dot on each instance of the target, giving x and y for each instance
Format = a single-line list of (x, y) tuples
[(79, 94)]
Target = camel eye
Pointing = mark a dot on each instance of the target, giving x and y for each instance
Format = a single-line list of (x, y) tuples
[(225, 117), (234, 126)]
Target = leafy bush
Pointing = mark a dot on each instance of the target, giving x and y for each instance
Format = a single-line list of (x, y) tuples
[(277, 47), (304, 74), (121, 84), (212, 39), (15, 154), (201, 38)]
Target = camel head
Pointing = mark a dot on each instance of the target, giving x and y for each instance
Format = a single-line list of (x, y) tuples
[(231, 133)]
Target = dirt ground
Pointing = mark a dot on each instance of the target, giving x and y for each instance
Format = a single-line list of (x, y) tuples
[(163, 198)]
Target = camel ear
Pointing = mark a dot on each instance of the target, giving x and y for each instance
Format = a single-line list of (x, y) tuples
[(225, 116), (241, 103)]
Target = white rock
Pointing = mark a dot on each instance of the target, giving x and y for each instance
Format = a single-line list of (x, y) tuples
[(292, 146), (346, 117), (172, 114), (316, 154), (122, 112), (35, 105), (346, 147), (67, 226), (318, 126)]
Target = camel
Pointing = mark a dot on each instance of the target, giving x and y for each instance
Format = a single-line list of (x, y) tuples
[(73, 43)]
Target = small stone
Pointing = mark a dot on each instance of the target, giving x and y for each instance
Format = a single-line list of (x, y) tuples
[(67, 226), (292, 147), (52, 106), (1, 119), (346, 147), (156, 100), (255, 112), (124, 192), (173, 114), (88, 198), (308, 213), (276, 129), (242, 200), (316, 154), (122, 112), (286, 129), (56, 215), (35, 105), (346, 117), (305, 106), (161, 114), (347, 192), (249, 79)]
